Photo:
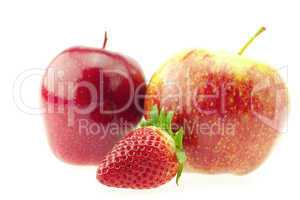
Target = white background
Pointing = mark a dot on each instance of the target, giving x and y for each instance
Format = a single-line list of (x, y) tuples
[(33, 32)]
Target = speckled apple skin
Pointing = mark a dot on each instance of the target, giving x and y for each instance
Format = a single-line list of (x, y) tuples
[(179, 85), (75, 143)]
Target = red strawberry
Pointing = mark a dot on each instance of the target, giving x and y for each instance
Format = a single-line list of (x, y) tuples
[(146, 157)]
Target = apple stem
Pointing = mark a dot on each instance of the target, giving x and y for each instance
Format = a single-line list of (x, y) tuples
[(258, 32), (105, 40)]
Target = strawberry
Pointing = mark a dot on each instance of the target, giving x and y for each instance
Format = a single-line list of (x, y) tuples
[(146, 157)]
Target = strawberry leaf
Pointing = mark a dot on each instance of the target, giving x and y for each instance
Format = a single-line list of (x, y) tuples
[(169, 121), (154, 115)]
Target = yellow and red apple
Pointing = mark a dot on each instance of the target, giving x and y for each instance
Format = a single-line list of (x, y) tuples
[(232, 108)]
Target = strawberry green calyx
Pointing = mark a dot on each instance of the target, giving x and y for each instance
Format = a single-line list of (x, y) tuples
[(163, 120)]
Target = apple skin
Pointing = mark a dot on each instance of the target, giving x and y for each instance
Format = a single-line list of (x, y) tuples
[(231, 108), (80, 136)]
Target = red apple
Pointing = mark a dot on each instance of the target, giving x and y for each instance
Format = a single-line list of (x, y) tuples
[(91, 98), (231, 108)]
